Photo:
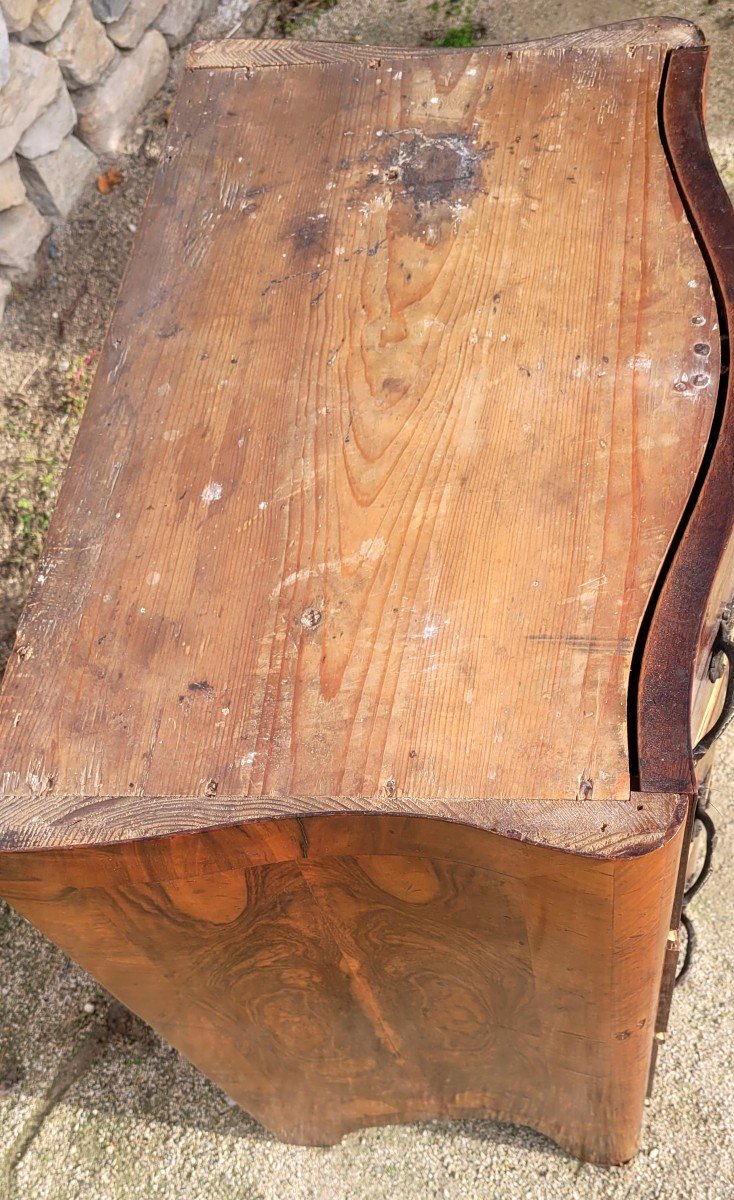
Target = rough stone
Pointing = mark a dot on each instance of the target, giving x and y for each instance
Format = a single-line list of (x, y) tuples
[(107, 111), (34, 82), (47, 20), (11, 185), (139, 15), (4, 51), (5, 289), (22, 229), (18, 14), (109, 10), (49, 130), (178, 19), (55, 181), (82, 48)]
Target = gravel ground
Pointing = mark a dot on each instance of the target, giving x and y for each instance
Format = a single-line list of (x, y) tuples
[(92, 1103)]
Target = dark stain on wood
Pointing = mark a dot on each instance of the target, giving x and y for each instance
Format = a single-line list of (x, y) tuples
[(432, 168)]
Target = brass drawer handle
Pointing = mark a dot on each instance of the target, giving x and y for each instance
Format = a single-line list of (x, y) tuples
[(722, 653)]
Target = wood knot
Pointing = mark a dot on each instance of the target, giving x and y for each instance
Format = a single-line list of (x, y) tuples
[(311, 617)]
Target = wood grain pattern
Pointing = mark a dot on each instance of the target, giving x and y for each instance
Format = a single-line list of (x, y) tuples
[(601, 829), (330, 979), (271, 52), (316, 739), (390, 436)]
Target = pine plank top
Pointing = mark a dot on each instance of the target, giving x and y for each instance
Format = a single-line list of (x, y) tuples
[(405, 392)]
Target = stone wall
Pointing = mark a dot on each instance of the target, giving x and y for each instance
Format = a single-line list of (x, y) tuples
[(74, 74)]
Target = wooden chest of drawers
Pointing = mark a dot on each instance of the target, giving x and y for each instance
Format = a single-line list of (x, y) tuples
[(348, 733)]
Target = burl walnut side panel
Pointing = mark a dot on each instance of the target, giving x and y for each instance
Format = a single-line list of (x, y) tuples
[(459, 973)]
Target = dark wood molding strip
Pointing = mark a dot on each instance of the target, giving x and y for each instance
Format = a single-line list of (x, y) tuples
[(675, 637)]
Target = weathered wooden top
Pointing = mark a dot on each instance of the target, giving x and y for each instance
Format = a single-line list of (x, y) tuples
[(407, 386)]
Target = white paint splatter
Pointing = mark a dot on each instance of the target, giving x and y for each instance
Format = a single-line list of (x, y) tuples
[(641, 363), (212, 492), (371, 549)]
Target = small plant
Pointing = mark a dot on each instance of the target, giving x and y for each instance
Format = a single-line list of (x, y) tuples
[(79, 377), (457, 28), (29, 496), (460, 35), (31, 480), (295, 14)]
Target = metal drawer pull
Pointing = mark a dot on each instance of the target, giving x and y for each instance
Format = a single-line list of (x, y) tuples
[(705, 819), (721, 654), (710, 830), (690, 929)]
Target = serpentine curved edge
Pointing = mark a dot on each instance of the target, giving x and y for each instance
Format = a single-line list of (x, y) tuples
[(674, 635)]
